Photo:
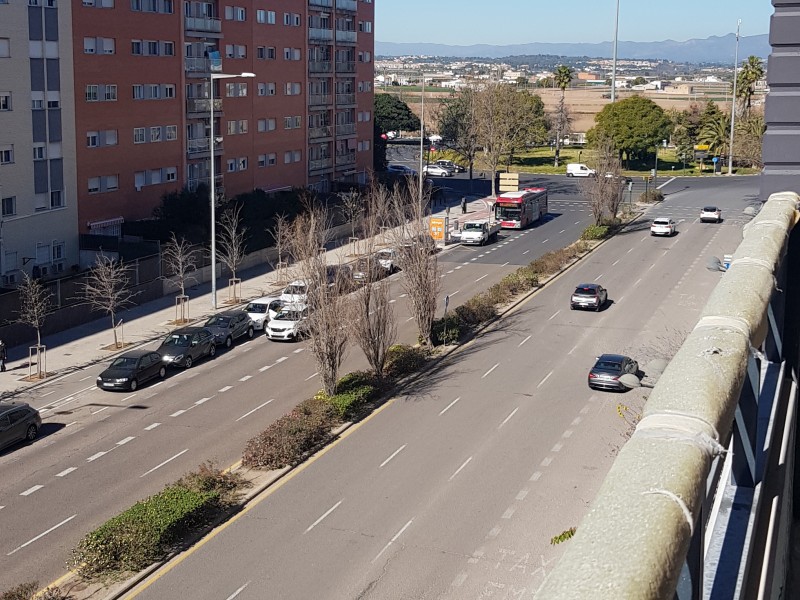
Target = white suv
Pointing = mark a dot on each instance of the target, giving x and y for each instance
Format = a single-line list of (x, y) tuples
[(262, 310), (663, 226), (295, 293), (288, 324)]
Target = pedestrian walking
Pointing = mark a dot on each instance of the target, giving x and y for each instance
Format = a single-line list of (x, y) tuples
[(464, 205), (3, 355)]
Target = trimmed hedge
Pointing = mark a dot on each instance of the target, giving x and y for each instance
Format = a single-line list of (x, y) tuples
[(142, 534), (478, 309), (595, 232), (290, 439), (353, 391), (402, 359)]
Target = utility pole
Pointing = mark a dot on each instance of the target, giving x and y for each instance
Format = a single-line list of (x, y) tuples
[(733, 102), (421, 141), (614, 59)]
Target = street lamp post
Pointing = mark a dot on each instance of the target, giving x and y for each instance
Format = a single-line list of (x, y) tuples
[(733, 102), (421, 141), (614, 59), (213, 184)]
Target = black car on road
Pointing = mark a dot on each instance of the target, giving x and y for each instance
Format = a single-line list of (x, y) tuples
[(230, 325), (18, 422), (184, 346), (607, 370), (130, 370)]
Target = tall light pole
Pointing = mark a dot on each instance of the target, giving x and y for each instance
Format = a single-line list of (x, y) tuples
[(421, 140), (733, 102), (614, 59), (213, 185)]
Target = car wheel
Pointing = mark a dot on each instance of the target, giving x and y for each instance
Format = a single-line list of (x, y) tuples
[(212, 350), (162, 372), (31, 433), (188, 362), (134, 384), (228, 342), (250, 332)]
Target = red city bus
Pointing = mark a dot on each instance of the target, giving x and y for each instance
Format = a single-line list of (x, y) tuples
[(517, 210)]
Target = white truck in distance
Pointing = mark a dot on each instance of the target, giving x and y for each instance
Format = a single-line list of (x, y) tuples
[(479, 232)]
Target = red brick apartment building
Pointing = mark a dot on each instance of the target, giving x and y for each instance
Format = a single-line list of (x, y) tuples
[(142, 71)]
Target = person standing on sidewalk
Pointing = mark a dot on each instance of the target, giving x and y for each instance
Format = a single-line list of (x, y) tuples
[(463, 205), (3, 356)]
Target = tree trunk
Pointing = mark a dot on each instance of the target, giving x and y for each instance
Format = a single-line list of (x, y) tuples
[(114, 329)]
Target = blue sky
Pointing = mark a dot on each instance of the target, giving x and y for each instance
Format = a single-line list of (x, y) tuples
[(500, 22)]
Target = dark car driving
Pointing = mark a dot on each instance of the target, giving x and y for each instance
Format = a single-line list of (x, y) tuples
[(130, 370), (18, 422), (184, 346), (588, 295), (607, 370), (229, 326)]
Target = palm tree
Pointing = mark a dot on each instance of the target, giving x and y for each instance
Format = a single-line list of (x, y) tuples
[(714, 132), (562, 78), (752, 71)]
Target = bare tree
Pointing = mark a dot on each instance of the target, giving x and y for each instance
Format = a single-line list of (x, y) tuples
[(353, 208), (231, 242), (420, 266), (604, 191), (280, 236), (180, 259), (106, 289), (326, 289), (35, 304)]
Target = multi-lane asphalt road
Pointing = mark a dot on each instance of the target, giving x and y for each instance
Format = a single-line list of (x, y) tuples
[(445, 455)]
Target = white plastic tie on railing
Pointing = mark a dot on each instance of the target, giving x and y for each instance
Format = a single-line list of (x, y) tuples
[(679, 501), (684, 428), (727, 323)]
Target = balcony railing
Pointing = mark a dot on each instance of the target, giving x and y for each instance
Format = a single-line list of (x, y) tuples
[(194, 183), (345, 98), (345, 159), (320, 163), (346, 67), (349, 37), (350, 5), (320, 132), (194, 64), (346, 129), (206, 24), (198, 145), (319, 99), (202, 105), (321, 3), (320, 66), (316, 34)]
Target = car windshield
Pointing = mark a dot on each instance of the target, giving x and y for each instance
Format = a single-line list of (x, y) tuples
[(124, 362), (507, 213), (385, 254), (295, 290), (289, 315), (180, 340), (218, 321), (710, 209), (583, 291), (607, 365), (661, 222), (254, 307), (472, 227)]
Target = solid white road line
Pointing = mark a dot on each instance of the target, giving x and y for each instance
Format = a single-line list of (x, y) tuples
[(546, 377), (66, 472), (327, 512), (393, 540), (466, 462), (94, 457), (41, 535), (489, 371), (554, 315), (237, 592), (395, 453), (124, 441), (247, 414), (523, 341), (446, 408), (169, 460), (31, 490), (310, 377), (151, 427), (225, 389), (481, 277), (508, 418)]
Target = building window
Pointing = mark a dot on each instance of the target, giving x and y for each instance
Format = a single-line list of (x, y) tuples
[(58, 251), (91, 93), (9, 205), (56, 199), (155, 176), (37, 104), (171, 173), (6, 155), (231, 165), (111, 137), (169, 49), (136, 47), (94, 185), (38, 152), (138, 135), (92, 139), (111, 182), (5, 100), (138, 91), (169, 90), (240, 14), (155, 134), (272, 159), (152, 48), (172, 132), (243, 126), (5, 47), (110, 93), (242, 166), (231, 127), (154, 91), (53, 104)]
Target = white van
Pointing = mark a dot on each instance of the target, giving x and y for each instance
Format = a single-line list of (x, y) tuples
[(579, 170)]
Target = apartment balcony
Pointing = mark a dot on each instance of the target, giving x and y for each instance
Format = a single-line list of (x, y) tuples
[(202, 106), (193, 183), (320, 66), (346, 129), (317, 133), (198, 147), (320, 164), (320, 3), (349, 5), (346, 37), (346, 67), (200, 67), (320, 99), (343, 99), (316, 34), (349, 158), (203, 26)]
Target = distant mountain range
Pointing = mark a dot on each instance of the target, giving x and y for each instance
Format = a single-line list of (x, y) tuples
[(715, 49)]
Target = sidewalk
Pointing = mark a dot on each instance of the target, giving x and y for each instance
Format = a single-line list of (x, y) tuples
[(78, 347)]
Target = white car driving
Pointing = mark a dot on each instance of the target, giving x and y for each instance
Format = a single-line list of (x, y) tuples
[(710, 213), (663, 226), (288, 325), (262, 310)]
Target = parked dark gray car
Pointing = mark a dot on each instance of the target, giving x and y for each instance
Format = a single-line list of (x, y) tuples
[(183, 347), (128, 371), (18, 422), (229, 326)]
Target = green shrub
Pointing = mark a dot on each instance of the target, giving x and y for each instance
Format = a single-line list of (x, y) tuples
[(209, 478), (142, 534), (447, 331), (354, 380), (496, 294), (651, 196), (402, 360), (552, 262), (478, 309), (595, 232), (348, 403), (291, 438), (24, 591)]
